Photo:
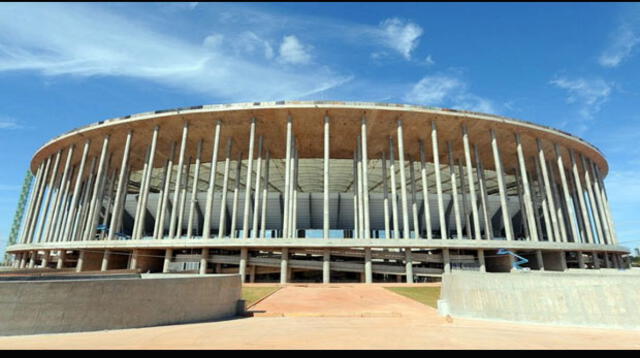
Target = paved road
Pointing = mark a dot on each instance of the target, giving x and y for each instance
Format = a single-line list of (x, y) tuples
[(338, 317)]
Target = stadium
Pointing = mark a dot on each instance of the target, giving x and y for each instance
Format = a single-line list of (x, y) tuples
[(316, 191)]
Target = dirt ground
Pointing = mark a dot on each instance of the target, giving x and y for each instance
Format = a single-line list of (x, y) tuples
[(338, 317)]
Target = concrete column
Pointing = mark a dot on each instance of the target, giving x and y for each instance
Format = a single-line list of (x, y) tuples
[(325, 198), (482, 186), (54, 174), (183, 197), (105, 260), (206, 230), (361, 208), (414, 202), (294, 195), (549, 217), (580, 194), (283, 266), (481, 262), (145, 192), (32, 199), (287, 179), (527, 193), (465, 209), (607, 230), (595, 210), (121, 191), (168, 255), (236, 192), (446, 260), (356, 197), (581, 260), (108, 207), (174, 208), (559, 208), (436, 165), (365, 177), (247, 190), (596, 261), (256, 201), (62, 206), (385, 189), (265, 192), (508, 228), (563, 260), (83, 210), (607, 264), (204, 255), (542, 163), (45, 259), (133, 260), (454, 191), (394, 195), (244, 252), (522, 208), (223, 200), (326, 266), (470, 182), (36, 212), (139, 208), (158, 226), (165, 193), (252, 273), (194, 190), (89, 233), (80, 262), (403, 182), (425, 192), (567, 196), (540, 260), (61, 257), (23, 260), (408, 264), (368, 274)]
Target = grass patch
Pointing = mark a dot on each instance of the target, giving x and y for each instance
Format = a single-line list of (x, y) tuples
[(425, 295), (253, 294)]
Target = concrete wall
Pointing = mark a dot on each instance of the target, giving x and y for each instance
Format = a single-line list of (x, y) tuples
[(86, 305), (604, 298)]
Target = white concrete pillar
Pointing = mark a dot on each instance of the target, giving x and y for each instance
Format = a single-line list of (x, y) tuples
[(542, 163), (44, 224), (454, 191), (361, 209), (90, 231), (204, 255), (283, 266), (595, 210), (236, 192), (394, 195), (414, 201), (549, 215), (326, 266), (105, 260), (76, 233), (356, 197), (174, 208), (567, 196), (37, 206), (365, 177), (206, 230), (481, 261), (257, 190), (121, 192), (425, 192), (32, 199), (368, 273), (247, 187), (80, 262), (559, 207), (408, 265), (385, 189), (403, 182), (62, 254), (527, 193), (168, 255), (223, 200), (325, 198), (596, 261), (133, 260), (165, 193), (139, 208), (470, 183), (265, 192), (580, 194), (482, 186), (287, 179), (540, 260), (508, 228), (242, 270), (194, 191), (436, 165), (465, 209), (446, 260)]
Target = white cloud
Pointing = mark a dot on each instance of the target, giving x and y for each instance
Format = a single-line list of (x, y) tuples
[(447, 90), (589, 94), (400, 35), (88, 40), (213, 40), (429, 61), (623, 43), (292, 51), (250, 43), (9, 123)]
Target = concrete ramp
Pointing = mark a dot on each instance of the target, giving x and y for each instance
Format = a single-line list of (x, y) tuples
[(607, 299), (339, 301)]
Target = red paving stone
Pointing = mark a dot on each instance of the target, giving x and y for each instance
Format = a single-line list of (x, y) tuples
[(334, 317)]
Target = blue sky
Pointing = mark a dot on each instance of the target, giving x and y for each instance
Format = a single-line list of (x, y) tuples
[(571, 66)]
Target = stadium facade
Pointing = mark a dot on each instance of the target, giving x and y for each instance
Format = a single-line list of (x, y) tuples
[(317, 191)]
